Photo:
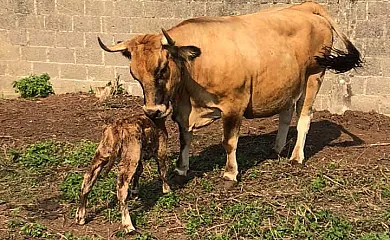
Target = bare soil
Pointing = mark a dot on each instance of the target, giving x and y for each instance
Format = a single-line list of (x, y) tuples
[(356, 141)]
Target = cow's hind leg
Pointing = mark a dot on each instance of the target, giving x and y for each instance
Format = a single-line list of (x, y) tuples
[(313, 85), (102, 156), (135, 185), (284, 125), (127, 167), (231, 128), (182, 164)]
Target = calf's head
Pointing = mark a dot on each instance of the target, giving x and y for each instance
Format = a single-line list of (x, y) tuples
[(156, 63)]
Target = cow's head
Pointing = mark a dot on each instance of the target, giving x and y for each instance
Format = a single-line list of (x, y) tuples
[(156, 63)]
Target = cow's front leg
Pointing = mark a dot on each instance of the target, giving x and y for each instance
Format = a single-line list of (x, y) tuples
[(231, 129), (183, 164), (284, 125)]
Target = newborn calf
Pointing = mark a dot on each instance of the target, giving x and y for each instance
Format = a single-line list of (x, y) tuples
[(129, 140)]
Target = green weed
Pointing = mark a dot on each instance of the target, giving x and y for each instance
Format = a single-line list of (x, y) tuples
[(168, 201), (80, 154), (102, 192), (34, 86), (206, 185), (35, 230), (318, 183)]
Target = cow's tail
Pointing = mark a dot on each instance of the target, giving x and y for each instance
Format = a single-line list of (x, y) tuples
[(332, 58)]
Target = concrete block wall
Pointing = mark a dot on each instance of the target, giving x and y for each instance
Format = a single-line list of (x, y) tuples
[(59, 37)]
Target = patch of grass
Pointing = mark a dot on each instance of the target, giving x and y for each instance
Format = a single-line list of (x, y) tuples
[(81, 154), (318, 183), (35, 230), (386, 192), (196, 220), (112, 214), (168, 201), (38, 156), (102, 192), (206, 185), (376, 236)]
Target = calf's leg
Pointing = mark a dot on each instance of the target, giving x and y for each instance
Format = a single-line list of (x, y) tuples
[(102, 156), (313, 85), (127, 167)]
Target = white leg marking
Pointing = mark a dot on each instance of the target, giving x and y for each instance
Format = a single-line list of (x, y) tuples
[(303, 128)]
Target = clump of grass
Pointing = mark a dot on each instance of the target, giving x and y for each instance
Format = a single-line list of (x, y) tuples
[(102, 192), (80, 154), (168, 201), (318, 183)]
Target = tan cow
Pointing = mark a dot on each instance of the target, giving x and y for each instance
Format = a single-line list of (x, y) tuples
[(131, 140), (250, 66)]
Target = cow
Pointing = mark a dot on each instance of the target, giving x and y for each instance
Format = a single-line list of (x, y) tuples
[(230, 67), (130, 139)]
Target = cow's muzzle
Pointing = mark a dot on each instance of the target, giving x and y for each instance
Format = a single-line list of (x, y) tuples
[(157, 111)]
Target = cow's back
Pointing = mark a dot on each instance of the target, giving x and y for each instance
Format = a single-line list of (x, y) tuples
[(265, 54)]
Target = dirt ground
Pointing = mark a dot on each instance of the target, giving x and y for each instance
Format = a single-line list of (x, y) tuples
[(361, 139)]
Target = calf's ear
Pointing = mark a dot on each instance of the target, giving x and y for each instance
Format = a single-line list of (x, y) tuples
[(186, 53)]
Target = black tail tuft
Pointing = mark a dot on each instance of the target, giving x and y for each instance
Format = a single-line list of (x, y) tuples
[(340, 61)]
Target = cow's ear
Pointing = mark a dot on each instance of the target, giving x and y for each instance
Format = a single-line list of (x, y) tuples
[(189, 53)]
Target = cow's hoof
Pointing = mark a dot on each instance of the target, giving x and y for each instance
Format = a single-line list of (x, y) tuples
[(229, 184), (180, 179), (296, 163)]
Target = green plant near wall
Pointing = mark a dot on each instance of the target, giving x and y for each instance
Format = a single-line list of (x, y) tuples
[(34, 86)]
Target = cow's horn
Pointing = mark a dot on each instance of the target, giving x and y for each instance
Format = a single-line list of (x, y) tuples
[(116, 48), (167, 39)]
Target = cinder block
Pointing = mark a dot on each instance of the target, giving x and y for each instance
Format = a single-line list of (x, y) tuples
[(23, 7), (115, 59), (358, 85), (99, 8), (131, 8), (198, 9), (18, 37), (70, 7), (34, 53), (69, 39), (361, 10), (371, 67), (45, 6), (41, 38), (377, 48), (92, 42), (214, 9), (8, 21), (30, 21), (384, 105), (61, 55), (124, 74), (73, 71), (86, 24), (157, 9), (3, 68), (9, 52), (89, 56), (6, 84), (120, 25), (378, 86), (369, 29), (365, 103), (19, 68), (385, 66), (135, 89), (58, 22), (379, 8), (100, 73), (53, 69)]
